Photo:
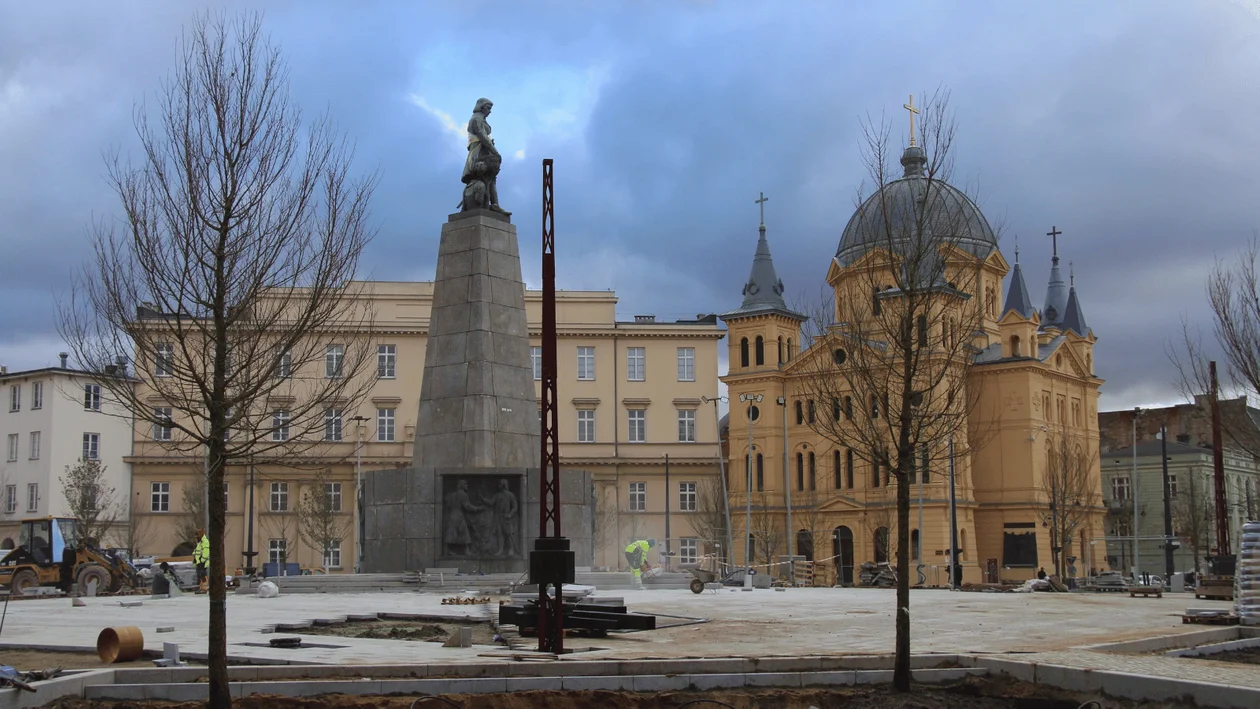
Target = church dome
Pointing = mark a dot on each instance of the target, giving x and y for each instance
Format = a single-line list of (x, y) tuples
[(952, 214)]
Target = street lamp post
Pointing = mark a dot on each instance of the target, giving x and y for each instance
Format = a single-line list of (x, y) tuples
[(358, 494), (753, 412)]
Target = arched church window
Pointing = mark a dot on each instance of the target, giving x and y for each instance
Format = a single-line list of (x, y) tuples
[(780, 349), (761, 351), (848, 407), (761, 473), (923, 330), (800, 414), (811, 410), (1015, 346), (743, 352), (848, 468), (813, 472), (875, 306), (874, 406), (836, 469), (800, 472), (789, 349)]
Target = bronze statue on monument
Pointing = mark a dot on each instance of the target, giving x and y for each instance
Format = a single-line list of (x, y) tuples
[(481, 169)]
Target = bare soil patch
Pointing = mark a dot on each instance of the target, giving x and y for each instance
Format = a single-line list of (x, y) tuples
[(975, 693), (423, 630), (1245, 656)]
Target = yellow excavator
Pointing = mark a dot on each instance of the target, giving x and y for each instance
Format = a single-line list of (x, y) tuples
[(40, 559)]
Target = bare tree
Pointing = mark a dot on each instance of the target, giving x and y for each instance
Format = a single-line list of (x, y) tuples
[(765, 529), (807, 517), (1070, 489), (709, 519), (281, 527), (193, 510), (1193, 515), (1233, 292), (879, 522), (136, 535), (894, 338), (228, 279), (323, 522), (90, 499)]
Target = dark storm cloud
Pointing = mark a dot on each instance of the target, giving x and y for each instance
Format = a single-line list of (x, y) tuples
[(1127, 126)]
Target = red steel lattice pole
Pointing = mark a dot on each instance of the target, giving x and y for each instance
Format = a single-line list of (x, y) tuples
[(550, 610)]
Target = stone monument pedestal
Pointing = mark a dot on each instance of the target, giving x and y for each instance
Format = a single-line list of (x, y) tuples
[(471, 497)]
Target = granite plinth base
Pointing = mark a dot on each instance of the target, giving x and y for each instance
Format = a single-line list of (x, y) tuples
[(410, 518)]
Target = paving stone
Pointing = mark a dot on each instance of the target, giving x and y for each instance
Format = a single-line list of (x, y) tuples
[(829, 678), (610, 683), (715, 681), (772, 679), (531, 684)]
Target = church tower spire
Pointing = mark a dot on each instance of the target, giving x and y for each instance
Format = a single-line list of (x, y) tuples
[(1073, 316), (1017, 297), (764, 290), (1057, 290)]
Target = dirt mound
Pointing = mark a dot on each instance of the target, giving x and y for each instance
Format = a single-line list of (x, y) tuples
[(975, 693), (411, 630)]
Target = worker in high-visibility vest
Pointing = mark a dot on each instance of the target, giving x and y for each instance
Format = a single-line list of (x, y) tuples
[(201, 557), (636, 555)]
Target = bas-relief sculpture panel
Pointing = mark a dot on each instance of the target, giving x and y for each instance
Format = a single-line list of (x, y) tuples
[(481, 516)]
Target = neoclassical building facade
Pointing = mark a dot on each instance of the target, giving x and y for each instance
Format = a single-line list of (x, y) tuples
[(1032, 380)]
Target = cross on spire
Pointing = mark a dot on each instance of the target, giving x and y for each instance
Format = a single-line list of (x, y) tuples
[(1017, 248), (1071, 273), (910, 107), (761, 202), (1054, 236)]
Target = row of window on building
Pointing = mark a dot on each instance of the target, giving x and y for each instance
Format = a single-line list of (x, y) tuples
[(387, 362), (843, 470), (281, 425), (687, 500), (278, 553), (278, 500), (636, 363), (11, 498), (91, 446), (91, 397)]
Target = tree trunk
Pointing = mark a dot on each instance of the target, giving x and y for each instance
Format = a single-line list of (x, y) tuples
[(901, 667), (220, 698)]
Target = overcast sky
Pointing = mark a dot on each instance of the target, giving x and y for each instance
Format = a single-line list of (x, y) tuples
[(1131, 126)]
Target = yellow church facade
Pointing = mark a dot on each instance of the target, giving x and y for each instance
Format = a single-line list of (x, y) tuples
[(1030, 385)]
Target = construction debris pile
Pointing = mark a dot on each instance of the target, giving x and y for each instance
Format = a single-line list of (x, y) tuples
[(466, 601)]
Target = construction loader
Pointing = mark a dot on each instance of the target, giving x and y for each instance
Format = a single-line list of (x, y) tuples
[(40, 559)]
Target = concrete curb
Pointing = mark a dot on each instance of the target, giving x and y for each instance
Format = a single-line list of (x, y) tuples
[(1123, 685)]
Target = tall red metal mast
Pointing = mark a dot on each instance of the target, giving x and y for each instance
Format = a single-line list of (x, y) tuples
[(551, 564), (1218, 468)]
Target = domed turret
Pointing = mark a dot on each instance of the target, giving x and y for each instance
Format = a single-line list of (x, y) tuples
[(950, 215)]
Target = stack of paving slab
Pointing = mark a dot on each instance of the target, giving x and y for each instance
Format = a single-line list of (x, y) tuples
[(1247, 576), (347, 583)]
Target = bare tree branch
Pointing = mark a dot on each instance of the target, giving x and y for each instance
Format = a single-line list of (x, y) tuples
[(885, 377), (228, 279), (91, 499), (1070, 489)]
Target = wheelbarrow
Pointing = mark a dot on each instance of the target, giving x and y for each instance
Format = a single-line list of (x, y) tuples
[(709, 570)]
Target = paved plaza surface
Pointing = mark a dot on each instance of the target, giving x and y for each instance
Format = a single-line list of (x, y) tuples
[(809, 621)]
